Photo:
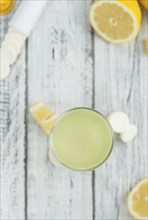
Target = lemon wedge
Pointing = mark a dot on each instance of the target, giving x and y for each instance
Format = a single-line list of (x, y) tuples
[(116, 21), (137, 201), (43, 116)]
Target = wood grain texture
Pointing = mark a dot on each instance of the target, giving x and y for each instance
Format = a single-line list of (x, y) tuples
[(57, 68), (12, 141), (60, 75), (121, 84)]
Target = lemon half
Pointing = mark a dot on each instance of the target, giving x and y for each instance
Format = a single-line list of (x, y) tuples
[(116, 21), (137, 201)]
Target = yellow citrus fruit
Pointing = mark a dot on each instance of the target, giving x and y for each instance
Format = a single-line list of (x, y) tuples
[(144, 3), (137, 200), (43, 116), (116, 21), (6, 6)]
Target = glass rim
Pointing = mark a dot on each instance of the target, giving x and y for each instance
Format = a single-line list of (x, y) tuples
[(56, 122)]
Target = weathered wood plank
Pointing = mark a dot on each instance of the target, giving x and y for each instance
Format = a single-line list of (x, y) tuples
[(60, 75), (121, 84), (12, 132)]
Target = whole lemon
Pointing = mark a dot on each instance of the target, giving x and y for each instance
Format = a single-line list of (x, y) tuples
[(144, 3)]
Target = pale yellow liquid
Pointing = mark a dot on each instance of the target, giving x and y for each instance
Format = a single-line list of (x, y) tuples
[(81, 139)]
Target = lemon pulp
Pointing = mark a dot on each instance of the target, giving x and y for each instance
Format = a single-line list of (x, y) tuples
[(137, 201), (116, 21)]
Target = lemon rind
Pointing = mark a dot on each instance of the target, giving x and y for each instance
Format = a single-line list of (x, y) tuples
[(35, 106)]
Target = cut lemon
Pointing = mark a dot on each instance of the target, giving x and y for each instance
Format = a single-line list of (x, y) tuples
[(137, 201), (6, 6), (43, 116), (116, 21)]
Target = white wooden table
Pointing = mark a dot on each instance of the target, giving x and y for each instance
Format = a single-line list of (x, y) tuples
[(65, 65)]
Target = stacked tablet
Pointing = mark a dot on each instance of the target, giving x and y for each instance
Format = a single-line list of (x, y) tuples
[(10, 49)]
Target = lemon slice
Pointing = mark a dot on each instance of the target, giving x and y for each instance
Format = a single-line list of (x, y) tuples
[(43, 116), (116, 21), (137, 201)]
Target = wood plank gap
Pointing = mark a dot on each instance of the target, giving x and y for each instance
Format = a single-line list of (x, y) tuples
[(26, 133), (93, 78), (93, 106), (93, 195)]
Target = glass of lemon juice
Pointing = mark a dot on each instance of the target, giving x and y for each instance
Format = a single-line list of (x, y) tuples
[(80, 139)]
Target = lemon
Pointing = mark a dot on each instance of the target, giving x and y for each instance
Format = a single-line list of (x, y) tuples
[(116, 21), (6, 6), (144, 3), (43, 116), (137, 201)]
